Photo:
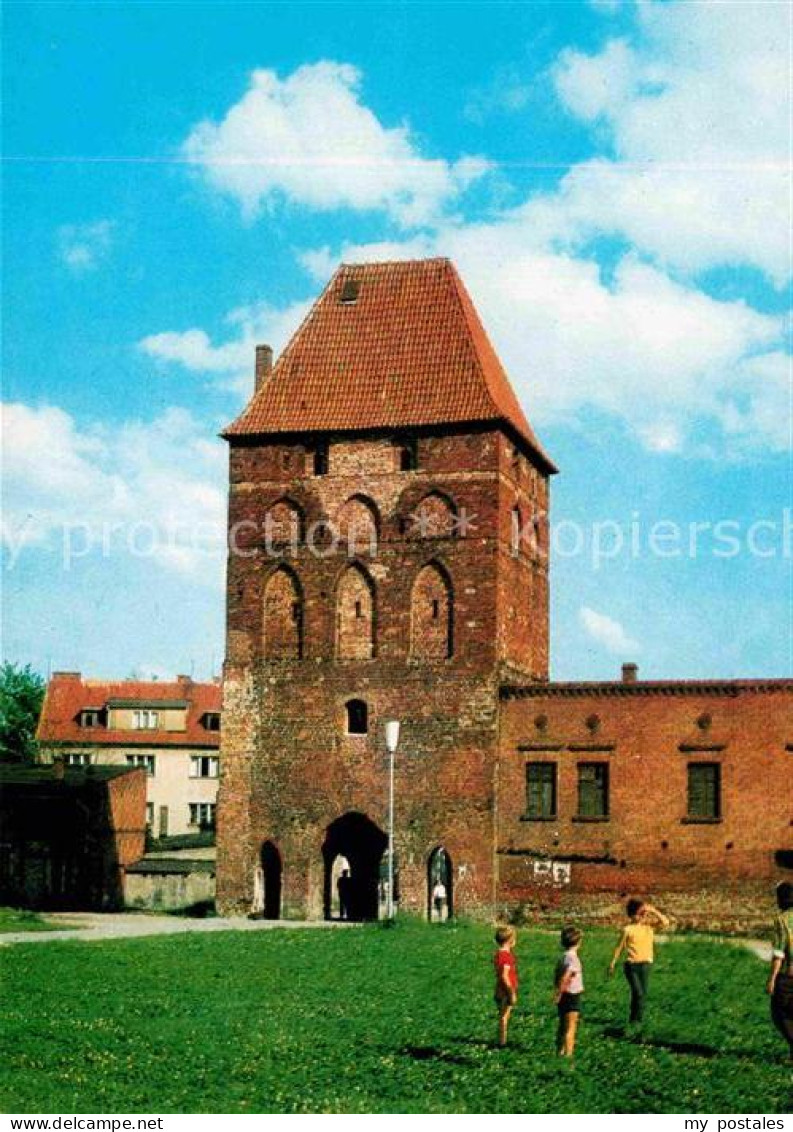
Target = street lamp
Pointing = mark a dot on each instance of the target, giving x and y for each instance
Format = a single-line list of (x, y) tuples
[(391, 742)]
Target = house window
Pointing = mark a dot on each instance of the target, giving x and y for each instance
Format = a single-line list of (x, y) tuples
[(77, 758), (408, 455), (149, 816), (357, 717), (321, 458), (541, 790), (593, 790), (204, 766), (704, 791), (148, 761), (145, 720), (90, 718), (202, 814), (212, 719)]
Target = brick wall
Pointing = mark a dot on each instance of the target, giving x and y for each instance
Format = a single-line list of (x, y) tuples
[(648, 736)]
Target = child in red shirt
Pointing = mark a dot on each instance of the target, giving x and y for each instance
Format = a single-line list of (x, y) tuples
[(506, 968)]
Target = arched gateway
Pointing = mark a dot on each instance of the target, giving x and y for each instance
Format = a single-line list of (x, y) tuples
[(362, 844)]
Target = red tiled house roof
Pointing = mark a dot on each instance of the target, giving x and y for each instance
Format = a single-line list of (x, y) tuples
[(68, 694), (409, 351)]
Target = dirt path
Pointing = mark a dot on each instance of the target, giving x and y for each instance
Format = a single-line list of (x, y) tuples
[(129, 925)]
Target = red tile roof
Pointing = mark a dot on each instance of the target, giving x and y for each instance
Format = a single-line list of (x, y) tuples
[(68, 694), (410, 351)]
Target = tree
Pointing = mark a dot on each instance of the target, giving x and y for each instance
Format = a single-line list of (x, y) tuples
[(21, 697)]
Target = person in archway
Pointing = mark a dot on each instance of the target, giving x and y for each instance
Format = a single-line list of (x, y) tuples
[(344, 886), (780, 981), (439, 901)]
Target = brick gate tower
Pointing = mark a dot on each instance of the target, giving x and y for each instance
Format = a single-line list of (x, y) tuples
[(388, 535)]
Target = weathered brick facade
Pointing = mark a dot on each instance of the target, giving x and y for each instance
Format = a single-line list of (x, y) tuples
[(420, 631), (388, 520), (648, 736)]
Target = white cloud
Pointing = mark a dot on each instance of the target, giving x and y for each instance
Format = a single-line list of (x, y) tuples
[(690, 107), (232, 360), (607, 632), (695, 107), (310, 140), (83, 247), (153, 490), (507, 92)]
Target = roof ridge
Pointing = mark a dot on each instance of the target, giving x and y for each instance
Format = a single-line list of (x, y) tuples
[(369, 264)]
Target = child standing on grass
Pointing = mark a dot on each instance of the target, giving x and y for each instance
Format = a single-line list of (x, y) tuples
[(637, 941), (569, 984), (506, 969)]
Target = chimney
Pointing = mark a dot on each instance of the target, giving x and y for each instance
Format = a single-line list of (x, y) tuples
[(264, 364), (58, 768), (181, 679), (629, 673)]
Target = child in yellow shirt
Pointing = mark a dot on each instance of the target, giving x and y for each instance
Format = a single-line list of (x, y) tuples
[(637, 942)]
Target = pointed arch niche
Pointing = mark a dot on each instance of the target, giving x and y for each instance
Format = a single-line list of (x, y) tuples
[(283, 616), (355, 615), (357, 525), (284, 523), (435, 516), (432, 614)]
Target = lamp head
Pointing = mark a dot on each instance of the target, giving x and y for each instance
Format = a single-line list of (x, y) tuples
[(392, 735)]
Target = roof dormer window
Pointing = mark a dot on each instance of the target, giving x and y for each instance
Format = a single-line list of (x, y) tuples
[(145, 720), (349, 292), (90, 717), (212, 720)]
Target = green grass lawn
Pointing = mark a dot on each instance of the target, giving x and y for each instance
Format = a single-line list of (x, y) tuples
[(373, 1020), (23, 920)]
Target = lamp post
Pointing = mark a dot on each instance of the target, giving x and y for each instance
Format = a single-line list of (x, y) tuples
[(391, 742)]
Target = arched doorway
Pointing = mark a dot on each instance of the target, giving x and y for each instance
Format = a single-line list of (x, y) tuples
[(440, 895), (272, 870), (362, 844)]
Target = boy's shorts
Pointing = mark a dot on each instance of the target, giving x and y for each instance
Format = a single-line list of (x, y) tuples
[(569, 1004), (501, 998)]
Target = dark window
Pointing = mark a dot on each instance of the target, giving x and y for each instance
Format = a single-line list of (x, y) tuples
[(321, 459), (90, 719), (541, 790), (408, 455), (593, 790), (349, 291), (357, 717), (212, 721), (704, 791)]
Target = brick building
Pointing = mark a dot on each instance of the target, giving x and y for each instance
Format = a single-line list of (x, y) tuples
[(68, 834), (388, 559), (170, 728)]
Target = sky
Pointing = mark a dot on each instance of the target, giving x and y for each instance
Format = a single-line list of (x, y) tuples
[(613, 182)]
